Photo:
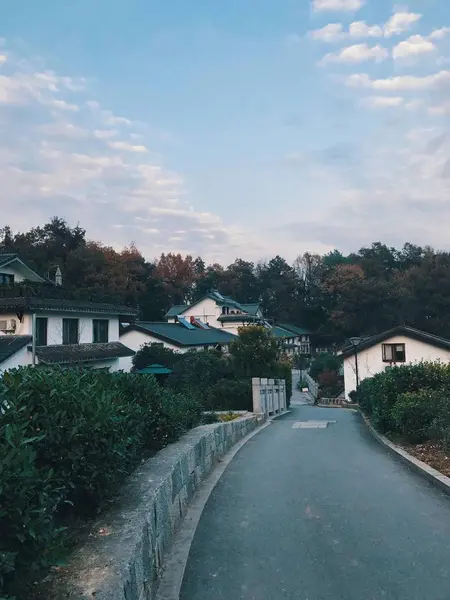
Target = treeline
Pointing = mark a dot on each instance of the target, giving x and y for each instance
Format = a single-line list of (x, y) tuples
[(335, 295)]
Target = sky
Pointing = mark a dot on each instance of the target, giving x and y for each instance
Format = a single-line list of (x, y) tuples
[(241, 128)]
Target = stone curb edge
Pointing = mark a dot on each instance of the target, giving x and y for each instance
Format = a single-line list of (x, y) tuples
[(421, 468)]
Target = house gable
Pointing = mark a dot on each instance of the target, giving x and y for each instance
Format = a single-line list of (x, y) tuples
[(11, 264)]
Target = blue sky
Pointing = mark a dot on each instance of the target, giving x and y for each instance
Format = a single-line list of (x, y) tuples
[(239, 128)]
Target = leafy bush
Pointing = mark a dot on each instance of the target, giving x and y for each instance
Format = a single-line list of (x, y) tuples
[(325, 362), (155, 354), (378, 395), (230, 395), (330, 384), (414, 412), (68, 438), (255, 353)]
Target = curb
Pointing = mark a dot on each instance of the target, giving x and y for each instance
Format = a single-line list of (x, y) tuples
[(418, 466)]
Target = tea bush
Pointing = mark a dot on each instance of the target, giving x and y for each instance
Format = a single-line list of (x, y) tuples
[(68, 438), (414, 412), (378, 395)]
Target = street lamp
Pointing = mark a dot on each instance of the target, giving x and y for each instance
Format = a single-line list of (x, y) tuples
[(355, 342)]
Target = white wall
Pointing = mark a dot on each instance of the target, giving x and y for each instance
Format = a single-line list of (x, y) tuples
[(55, 326), (19, 359), (370, 361), (207, 311)]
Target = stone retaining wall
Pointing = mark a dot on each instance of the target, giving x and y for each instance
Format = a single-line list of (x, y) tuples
[(125, 551)]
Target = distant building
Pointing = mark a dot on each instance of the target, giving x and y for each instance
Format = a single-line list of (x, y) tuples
[(398, 346), (65, 332), (180, 336)]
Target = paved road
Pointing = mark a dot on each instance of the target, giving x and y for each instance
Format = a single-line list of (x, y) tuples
[(320, 514)]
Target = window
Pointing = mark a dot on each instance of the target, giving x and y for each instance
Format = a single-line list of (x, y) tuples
[(100, 330), (70, 331), (394, 353), (6, 279), (41, 331)]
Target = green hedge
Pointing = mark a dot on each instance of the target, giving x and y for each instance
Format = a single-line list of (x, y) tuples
[(68, 438), (230, 395), (378, 395)]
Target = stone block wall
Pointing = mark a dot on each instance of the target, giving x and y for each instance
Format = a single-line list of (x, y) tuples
[(126, 547)]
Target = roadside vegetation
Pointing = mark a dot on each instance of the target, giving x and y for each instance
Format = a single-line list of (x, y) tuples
[(411, 405)]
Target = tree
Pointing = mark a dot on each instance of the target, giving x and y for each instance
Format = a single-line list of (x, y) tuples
[(155, 354), (255, 352)]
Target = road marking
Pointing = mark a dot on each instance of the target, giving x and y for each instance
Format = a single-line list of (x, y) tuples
[(311, 424)]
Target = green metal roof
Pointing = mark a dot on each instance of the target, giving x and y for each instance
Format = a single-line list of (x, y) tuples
[(279, 332), (176, 310), (155, 370), (180, 336), (295, 329), (252, 308)]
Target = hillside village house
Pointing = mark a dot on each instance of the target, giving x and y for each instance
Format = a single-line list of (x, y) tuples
[(222, 312), (35, 329), (399, 346)]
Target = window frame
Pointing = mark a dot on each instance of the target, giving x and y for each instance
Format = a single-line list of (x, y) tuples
[(66, 339), (98, 322), (40, 342), (9, 276), (394, 353)]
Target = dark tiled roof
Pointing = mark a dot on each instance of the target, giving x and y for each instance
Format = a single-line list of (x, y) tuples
[(80, 353), (50, 304), (176, 310), (181, 336), (6, 257), (251, 309), (279, 332), (10, 344), (410, 332), (295, 329)]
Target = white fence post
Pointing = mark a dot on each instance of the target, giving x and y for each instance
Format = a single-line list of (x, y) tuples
[(271, 383), (277, 395), (283, 395), (256, 393), (264, 396)]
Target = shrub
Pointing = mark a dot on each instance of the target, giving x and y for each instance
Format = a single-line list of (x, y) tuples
[(68, 438), (414, 412), (439, 429), (330, 384), (150, 354), (325, 362), (378, 395), (230, 395)]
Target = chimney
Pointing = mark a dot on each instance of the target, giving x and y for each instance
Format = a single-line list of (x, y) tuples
[(58, 276)]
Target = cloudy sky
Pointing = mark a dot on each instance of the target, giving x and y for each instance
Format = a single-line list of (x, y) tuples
[(238, 128)]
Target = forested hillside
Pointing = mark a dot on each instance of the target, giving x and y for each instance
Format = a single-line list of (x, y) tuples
[(334, 295)]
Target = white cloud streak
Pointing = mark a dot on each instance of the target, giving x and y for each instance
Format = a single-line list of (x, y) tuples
[(400, 22), (415, 45), (356, 54), (437, 81), (337, 5), (127, 147)]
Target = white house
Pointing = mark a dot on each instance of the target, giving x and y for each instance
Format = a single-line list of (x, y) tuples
[(180, 337), (64, 331), (398, 346), (220, 312)]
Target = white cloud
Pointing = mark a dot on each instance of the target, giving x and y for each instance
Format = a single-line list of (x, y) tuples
[(356, 54), (104, 134), (413, 46), (337, 5), (439, 34), (401, 82), (63, 105), (360, 29), (333, 32), (63, 129), (400, 22), (127, 147), (3, 58), (383, 101), (111, 119), (440, 109)]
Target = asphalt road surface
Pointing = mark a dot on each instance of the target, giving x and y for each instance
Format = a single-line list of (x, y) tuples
[(320, 514)]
